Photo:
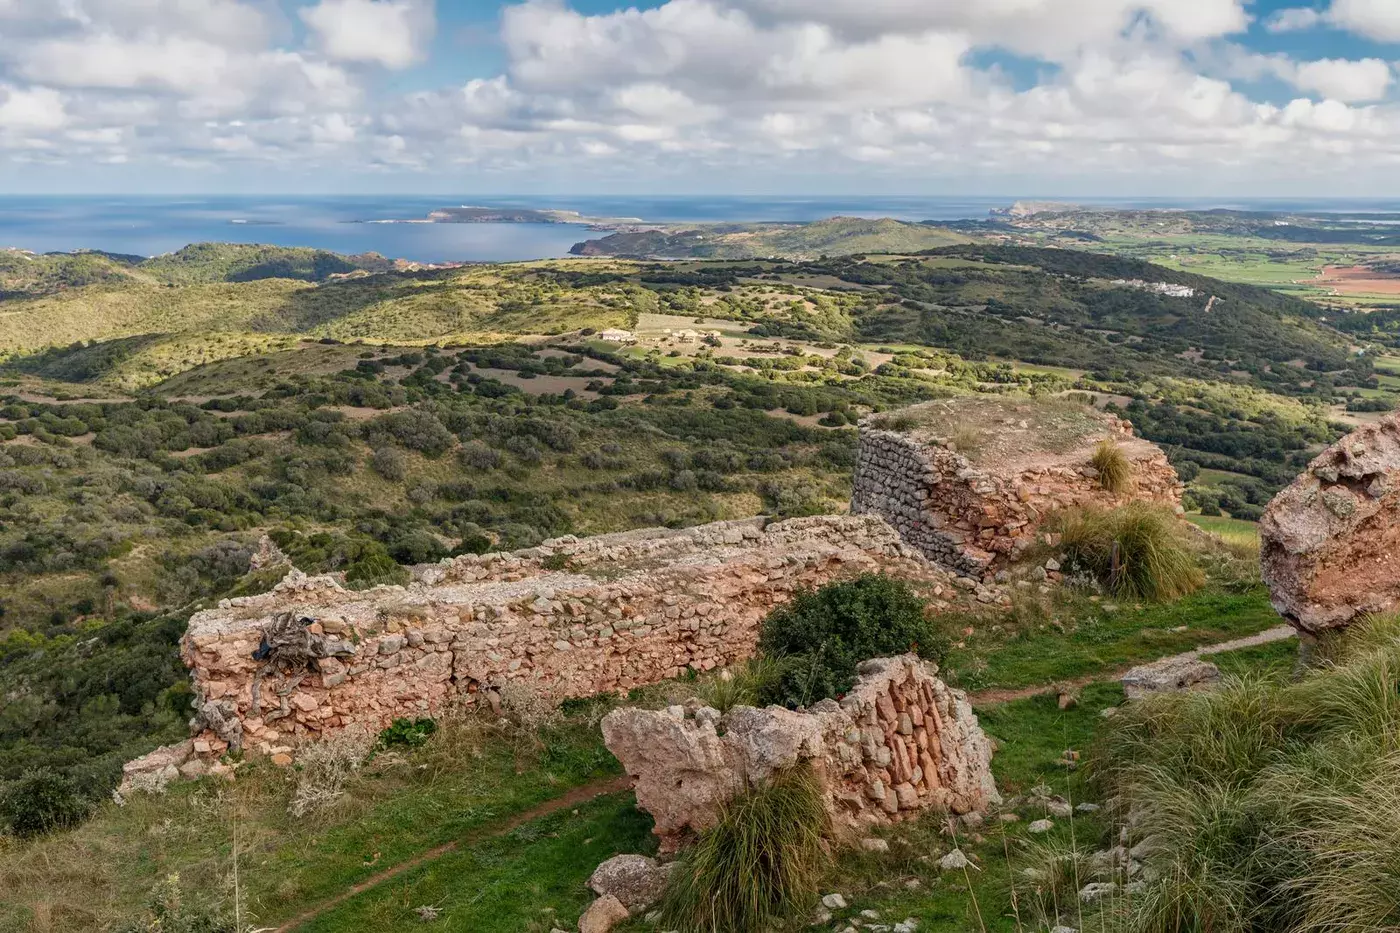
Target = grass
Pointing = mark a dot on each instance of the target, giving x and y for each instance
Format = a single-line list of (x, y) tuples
[(758, 865), (1233, 531), (1081, 638), (1136, 551), (531, 878), (467, 778), (1272, 803), (1115, 470)]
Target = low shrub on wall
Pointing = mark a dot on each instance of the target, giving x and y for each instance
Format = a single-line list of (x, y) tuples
[(818, 638)]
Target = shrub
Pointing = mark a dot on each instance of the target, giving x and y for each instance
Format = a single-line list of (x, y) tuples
[(390, 463), (1137, 551), (375, 568), (477, 456), (324, 768), (760, 864), (40, 802), (820, 636), (406, 733), (1114, 468)]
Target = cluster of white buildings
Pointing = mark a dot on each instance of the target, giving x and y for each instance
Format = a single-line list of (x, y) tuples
[(1160, 288)]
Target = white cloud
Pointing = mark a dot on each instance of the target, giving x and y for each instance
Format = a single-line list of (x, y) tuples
[(392, 33), (32, 109), (713, 89), (1347, 81), (1375, 19), (1294, 19)]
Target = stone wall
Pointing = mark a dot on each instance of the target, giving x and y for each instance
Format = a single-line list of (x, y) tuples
[(899, 743), (573, 617), (975, 515)]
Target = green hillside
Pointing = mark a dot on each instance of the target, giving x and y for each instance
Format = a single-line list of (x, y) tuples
[(836, 236)]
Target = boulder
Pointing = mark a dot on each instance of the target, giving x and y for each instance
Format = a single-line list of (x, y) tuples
[(635, 880), (1169, 676), (1330, 542), (602, 915)]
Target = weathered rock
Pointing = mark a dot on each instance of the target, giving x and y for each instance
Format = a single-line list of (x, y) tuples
[(635, 880), (954, 861), (685, 767), (1330, 542), (1168, 676), (1040, 826), (975, 511), (153, 772), (602, 915)]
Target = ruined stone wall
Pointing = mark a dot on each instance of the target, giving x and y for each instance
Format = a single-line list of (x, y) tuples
[(573, 617), (898, 743), (976, 518)]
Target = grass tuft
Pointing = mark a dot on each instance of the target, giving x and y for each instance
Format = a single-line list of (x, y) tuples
[(759, 865), (1137, 551), (1114, 467)]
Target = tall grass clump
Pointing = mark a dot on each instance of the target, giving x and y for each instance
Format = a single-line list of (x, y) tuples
[(1270, 805), (759, 865), (1137, 551), (1114, 468)]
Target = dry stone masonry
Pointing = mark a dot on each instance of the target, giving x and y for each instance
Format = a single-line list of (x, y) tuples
[(976, 509), (1330, 542), (573, 617), (899, 743)]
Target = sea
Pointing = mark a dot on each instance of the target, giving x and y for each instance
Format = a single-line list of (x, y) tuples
[(150, 226)]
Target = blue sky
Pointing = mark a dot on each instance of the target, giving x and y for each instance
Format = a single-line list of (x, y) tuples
[(1073, 97)]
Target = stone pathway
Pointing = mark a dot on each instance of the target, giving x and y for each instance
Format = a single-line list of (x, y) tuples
[(996, 696)]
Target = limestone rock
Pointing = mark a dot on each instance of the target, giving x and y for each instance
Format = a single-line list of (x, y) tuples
[(1169, 675), (954, 861), (153, 772), (602, 915), (685, 767), (635, 880), (1330, 542)]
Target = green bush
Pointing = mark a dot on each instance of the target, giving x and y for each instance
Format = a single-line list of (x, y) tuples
[(406, 733), (41, 801), (759, 865), (820, 636), (1138, 551)]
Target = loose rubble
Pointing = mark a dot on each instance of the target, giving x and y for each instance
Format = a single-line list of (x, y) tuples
[(899, 743)]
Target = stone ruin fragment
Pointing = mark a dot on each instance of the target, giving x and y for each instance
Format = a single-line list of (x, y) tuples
[(899, 743), (975, 510), (573, 617), (1330, 542)]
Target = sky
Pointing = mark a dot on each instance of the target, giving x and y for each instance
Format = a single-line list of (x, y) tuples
[(1141, 98)]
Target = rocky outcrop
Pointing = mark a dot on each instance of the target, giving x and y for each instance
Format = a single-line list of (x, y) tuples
[(975, 510), (573, 617), (899, 743), (1330, 542)]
